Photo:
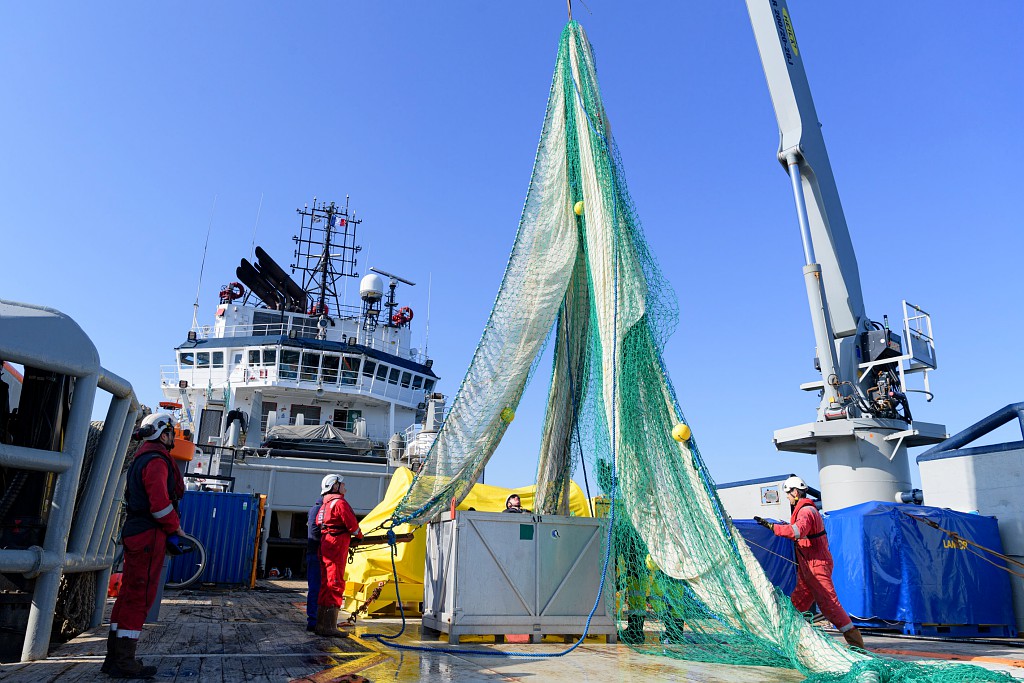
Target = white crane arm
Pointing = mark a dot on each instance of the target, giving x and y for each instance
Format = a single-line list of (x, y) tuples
[(800, 134)]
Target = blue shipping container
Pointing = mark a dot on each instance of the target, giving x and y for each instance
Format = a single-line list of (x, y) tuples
[(226, 525)]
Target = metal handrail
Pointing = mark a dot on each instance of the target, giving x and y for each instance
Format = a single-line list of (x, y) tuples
[(49, 340)]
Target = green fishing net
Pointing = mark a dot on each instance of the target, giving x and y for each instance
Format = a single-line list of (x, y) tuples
[(683, 582)]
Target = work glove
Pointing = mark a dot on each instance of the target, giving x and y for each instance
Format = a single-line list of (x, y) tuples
[(176, 545), (764, 522)]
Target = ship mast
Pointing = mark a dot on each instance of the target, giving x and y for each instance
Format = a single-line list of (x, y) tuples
[(326, 227)]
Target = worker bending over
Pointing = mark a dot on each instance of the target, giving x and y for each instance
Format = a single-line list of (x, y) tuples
[(814, 560)]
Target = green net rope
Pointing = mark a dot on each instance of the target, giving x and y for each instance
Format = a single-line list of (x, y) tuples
[(685, 583)]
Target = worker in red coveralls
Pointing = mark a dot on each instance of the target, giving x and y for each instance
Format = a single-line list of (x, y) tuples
[(814, 561), (337, 524), (154, 487)]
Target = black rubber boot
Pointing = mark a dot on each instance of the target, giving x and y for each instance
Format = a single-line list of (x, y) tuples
[(327, 623), (108, 661), (634, 633), (126, 666)]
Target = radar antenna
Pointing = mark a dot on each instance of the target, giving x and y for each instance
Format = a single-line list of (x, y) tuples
[(391, 304)]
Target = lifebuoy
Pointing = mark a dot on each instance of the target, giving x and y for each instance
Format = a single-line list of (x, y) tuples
[(230, 292), (405, 313)]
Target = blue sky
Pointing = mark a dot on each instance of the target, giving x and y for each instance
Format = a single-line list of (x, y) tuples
[(122, 122)]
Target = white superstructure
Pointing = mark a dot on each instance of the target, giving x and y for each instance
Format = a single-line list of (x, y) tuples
[(280, 353)]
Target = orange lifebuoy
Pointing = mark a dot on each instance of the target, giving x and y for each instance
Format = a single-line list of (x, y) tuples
[(236, 290), (405, 313)]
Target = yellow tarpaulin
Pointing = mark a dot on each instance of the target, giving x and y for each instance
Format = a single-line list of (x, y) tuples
[(372, 567)]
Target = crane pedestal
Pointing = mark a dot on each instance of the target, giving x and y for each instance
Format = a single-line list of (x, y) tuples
[(859, 459)]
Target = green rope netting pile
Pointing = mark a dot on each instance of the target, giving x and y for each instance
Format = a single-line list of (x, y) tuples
[(682, 580)]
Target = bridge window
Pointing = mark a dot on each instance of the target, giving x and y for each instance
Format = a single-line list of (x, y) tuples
[(393, 377), (270, 356), (218, 359), (417, 382), (186, 358), (203, 359), (406, 379), (289, 364), (368, 368), (254, 356), (310, 367), (428, 385), (330, 372), (382, 372), (350, 369)]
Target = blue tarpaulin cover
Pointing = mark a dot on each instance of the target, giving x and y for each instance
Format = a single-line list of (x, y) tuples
[(773, 552), (891, 567)]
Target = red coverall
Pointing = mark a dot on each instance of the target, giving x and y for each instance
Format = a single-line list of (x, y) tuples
[(338, 522), (152, 494), (814, 564)]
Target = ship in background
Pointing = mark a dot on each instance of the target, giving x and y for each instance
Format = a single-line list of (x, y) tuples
[(290, 383)]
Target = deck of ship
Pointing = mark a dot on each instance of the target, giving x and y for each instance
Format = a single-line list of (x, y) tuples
[(259, 635)]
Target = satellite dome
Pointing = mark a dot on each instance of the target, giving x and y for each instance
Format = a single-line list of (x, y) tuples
[(371, 287)]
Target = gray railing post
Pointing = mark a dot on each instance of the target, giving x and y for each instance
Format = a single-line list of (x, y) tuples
[(58, 526), (88, 509)]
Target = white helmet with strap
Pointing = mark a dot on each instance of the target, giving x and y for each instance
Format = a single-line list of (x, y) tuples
[(794, 482), (153, 426), (328, 482)]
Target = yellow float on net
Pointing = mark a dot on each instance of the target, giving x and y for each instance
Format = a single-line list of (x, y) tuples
[(507, 415), (681, 432), (578, 209)]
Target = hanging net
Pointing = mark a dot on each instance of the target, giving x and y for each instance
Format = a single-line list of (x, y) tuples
[(685, 583)]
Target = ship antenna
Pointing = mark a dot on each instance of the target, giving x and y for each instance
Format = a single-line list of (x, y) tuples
[(426, 331), (202, 266), (252, 247)]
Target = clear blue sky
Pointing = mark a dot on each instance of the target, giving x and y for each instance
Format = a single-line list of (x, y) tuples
[(123, 121)]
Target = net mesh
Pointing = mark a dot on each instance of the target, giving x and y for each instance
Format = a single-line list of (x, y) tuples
[(685, 583)]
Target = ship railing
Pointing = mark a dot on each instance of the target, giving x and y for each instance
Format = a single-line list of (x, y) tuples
[(169, 375), (75, 541), (309, 377)]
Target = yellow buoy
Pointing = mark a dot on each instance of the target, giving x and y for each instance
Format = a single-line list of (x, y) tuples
[(578, 209), (681, 432), (507, 415), (652, 566)]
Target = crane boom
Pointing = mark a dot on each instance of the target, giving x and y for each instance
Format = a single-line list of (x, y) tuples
[(800, 134)]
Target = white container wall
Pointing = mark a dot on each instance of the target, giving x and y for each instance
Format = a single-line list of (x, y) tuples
[(990, 483), (496, 573), (756, 497)]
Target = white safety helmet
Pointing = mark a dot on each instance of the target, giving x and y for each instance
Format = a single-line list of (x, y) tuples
[(153, 426), (328, 482), (794, 482)]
